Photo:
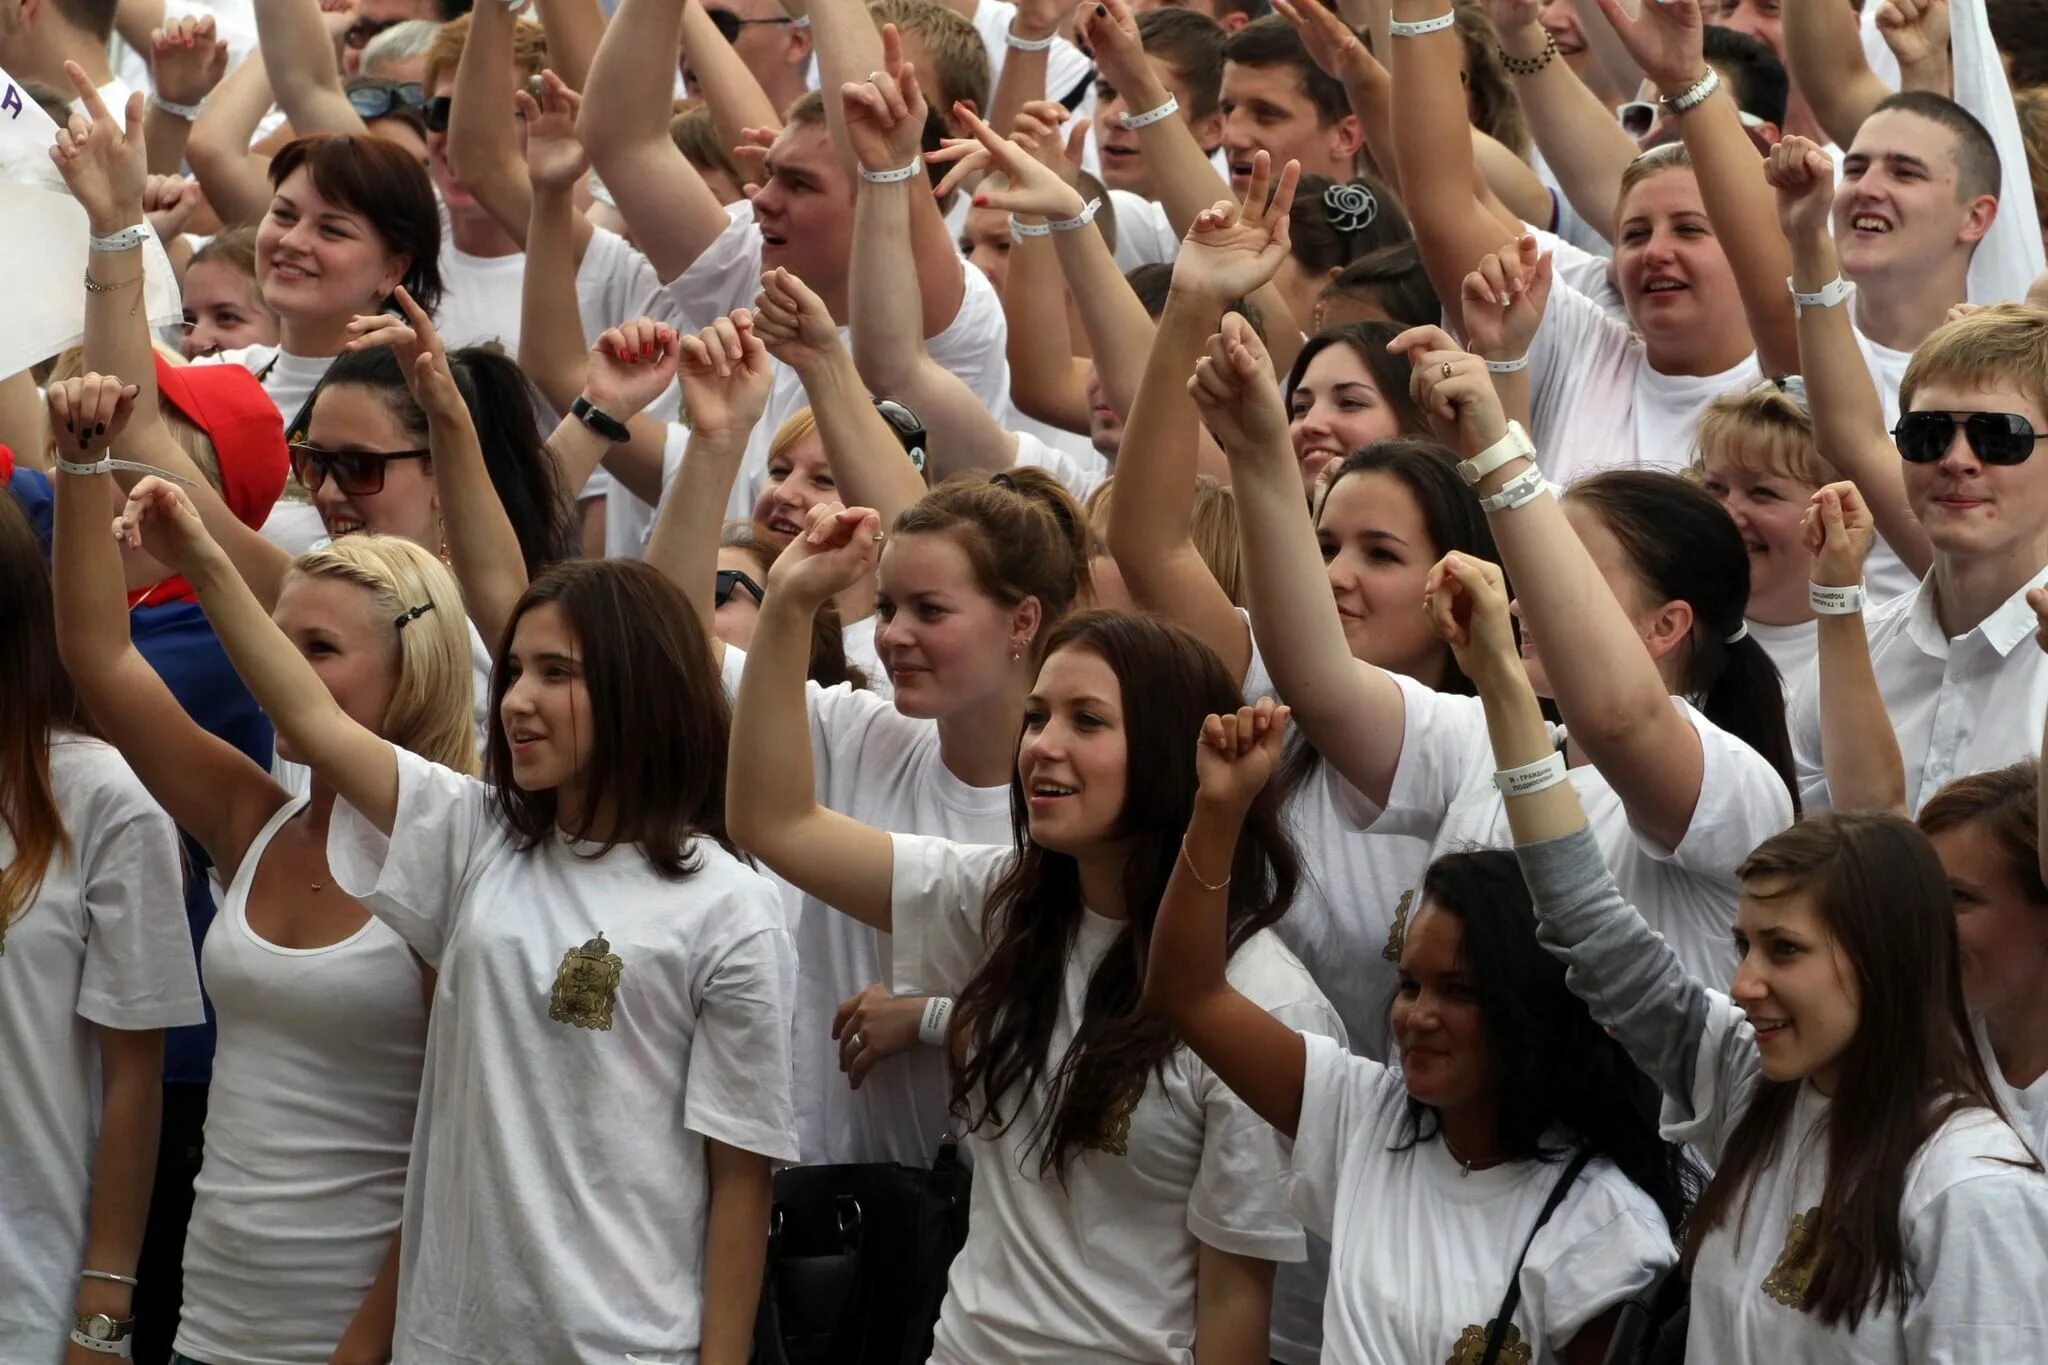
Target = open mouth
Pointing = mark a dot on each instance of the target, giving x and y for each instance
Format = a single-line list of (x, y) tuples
[(773, 239), (1871, 223), (783, 526), (340, 525), (1769, 1030), (286, 271), (1665, 287)]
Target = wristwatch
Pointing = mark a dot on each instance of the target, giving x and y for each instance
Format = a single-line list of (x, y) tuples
[(600, 421), (1515, 445), (109, 1336)]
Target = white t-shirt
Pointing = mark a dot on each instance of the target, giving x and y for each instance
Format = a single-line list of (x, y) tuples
[(1099, 1269), (102, 944), (2027, 1109), (297, 1201), (1067, 68), (1444, 790), (594, 1023), (1569, 225), (1792, 648), (288, 379), (1597, 404), (1972, 1224), (728, 275), (1885, 575), (1591, 273), (1144, 234), (1078, 476), (1959, 706), (1424, 1248), (858, 640), (882, 768)]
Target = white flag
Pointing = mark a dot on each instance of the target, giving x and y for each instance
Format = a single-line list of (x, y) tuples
[(42, 257)]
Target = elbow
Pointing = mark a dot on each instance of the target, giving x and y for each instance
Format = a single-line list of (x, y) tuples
[(887, 369)]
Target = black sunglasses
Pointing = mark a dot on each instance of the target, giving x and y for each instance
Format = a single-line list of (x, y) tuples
[(729, 24), (909, 429), (729, 579), (373, 99), (358, 473), (359, 34), (437, 110), (1996, 437)]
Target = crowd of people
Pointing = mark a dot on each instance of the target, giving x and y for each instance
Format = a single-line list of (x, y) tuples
[(1379, 668)]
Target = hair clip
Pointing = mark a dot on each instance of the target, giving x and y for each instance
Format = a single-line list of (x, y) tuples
[(411, 614), (1350, 206)]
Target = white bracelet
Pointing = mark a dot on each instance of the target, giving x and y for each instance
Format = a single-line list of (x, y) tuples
[(1426, 26), (895, 177), (126, 239), (1019, 229), (1835, 291), (1030, 44), (1530, 778), (1827, 601), (188, 112), (107, 464), (1701, 91), (1515, 366), (1158, 113), (931, 1027), (128, 1280), (1078, 221), (124, 1348), (1519, 491)]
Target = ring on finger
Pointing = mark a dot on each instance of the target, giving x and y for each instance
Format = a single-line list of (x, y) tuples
[(1447, 369), (860, 1039)]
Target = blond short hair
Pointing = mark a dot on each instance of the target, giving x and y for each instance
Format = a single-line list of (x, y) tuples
[(1761, 430), (529, 50), (2008, 343), (1212, 527), (431, 711), (794, 428), (955, 48)]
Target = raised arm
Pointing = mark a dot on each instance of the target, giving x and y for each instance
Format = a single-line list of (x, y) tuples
[(236, 180), (574, 29), (1848, 416), (1824, 57), (1917, 32), (305, 76), (1351, 711), (624, 126), (1580, 137), (1601, 673), (186, 62), (1230, 252), (1859, 748), (771, 801), (736, 100), (867, 459), (483, 132)]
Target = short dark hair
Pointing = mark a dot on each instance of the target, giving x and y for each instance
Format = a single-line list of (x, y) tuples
[(1192, 44), (1272, 41), (380, 180), (1335, 222), (1977, 167), (1152, 282), (1756, 77), (1393, 277), (94, 16), (2017, 29)]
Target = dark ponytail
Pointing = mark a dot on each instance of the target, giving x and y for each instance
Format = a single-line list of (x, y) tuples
[(1684, 545)]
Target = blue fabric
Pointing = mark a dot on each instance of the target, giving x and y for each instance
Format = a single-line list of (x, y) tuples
[(31, 488), (185, 653)]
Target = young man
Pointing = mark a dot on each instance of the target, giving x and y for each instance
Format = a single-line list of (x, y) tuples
[(1761, 19), (775, 48), (38, 36), (1276, 99), (1185, 51)]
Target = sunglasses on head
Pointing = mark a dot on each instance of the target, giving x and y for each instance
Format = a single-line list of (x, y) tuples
[(373, 99), (729, 579), (359, 34), (729, 24), (1638, 117), (357, 473), (1995, 437)]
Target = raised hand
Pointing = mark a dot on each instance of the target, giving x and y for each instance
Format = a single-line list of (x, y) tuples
[(555, 159), (1667, 40), (421, 357), (1466, 599), (1234, 389), (1037, 131), (1234, 248), (93, 410), (1838, 530), (102, 160), (1504, 300), (169, 201), (1109, 30), (1804, 178), (1915, 30), (186, 60), (885, 113), (1511, 16), (160, 520), (793, 322), (725, 377), (1237, 753), (752, 156), (837, 549), (1453, 389), (630, 366), (1032, 188), (1330, 42)]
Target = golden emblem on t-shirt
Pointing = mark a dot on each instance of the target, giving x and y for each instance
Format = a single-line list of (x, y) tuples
[(1470, 1347), (1792, 1276), (1114, 1137), (1395, 935), (587, 986)]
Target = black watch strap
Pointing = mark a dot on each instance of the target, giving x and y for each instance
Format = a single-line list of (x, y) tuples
[(600, 421)]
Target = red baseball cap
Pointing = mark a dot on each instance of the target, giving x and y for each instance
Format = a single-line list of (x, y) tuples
[(230, 406)]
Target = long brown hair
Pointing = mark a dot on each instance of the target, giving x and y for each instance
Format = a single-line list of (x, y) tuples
[(36, 697), (1021, 530), (1170, 683), (2006, 804), (659, 721), (1907, 1070)]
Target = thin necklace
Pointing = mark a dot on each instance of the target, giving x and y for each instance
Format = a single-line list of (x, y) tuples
[(1465, 1167)]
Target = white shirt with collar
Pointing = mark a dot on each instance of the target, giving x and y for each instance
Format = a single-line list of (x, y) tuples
[(1960, 706)]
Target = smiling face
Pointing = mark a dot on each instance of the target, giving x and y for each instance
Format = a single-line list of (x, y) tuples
[(352, 419), (1675, 279), (223, 311), (1899, 208), (1974, 511), (1073, 758), (318, 259), (335, 625), (1766, 508), (798, 479), (946, 643), (805, 208), (1266, 108), (546, 707), (1379, 553), (2003, 935), (1446, 1058), (1121, 154), (1795, 982), (1335, 409)]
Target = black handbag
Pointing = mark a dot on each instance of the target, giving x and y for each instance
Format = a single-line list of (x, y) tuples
[(1497, 1330), (857, 1261), (1652, 1326)]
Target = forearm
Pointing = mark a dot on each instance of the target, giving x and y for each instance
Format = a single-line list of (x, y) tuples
[(304, 72), (1859, 749), (574, 29), (1044, 383), (1508, 186), (92, 605), (771, 733), (553, 355), (23, 419), (164, 136), (735, 98), (124, 1161), (1581, 140), (369, 1332), (1120, 332), (235, 180), (1153, 515), (482, 546), (1190, 951), (1742, 208), (860, 446), (684, 542), (1023, 78), (1370, 94), (848, 44), (283, 683), (483, 137), (1935, 74), (1824, 57), (885, 294), (1233, 1303), (735, 1252)]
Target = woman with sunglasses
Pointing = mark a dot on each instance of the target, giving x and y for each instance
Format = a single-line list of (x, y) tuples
[(744, 560)]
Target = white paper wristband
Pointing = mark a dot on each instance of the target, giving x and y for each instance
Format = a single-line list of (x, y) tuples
[(1519, 491), (1030, 44), (931, 1027), (1423, 27), (1158, 113), (1834, 292), (1827, 601), (188, 112), (1531, 778), (1515, 366), (1019, 229), (127, 239), (1078, 221), (107, 464), (895, 177)]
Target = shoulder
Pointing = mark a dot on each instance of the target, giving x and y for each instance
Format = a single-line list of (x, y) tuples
[(1267, 972), (1977, 1153), (743, 899), (91, 774)]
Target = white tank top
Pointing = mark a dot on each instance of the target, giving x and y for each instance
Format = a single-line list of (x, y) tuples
[(308, 1130)]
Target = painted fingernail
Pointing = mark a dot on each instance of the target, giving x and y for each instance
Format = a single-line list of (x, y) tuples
[(100, 429)]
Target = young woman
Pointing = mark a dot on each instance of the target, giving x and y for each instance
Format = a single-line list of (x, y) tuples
[(302, 1181), (95, 964), (1681, 790), (614, 983), (743, 565), (1869, 1203), (1125, 1204), (1346, 392), (224, 307), (1333, 223), (1428, 1181)]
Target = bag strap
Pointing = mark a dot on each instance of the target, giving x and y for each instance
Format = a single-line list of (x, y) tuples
[(1496, 1333)]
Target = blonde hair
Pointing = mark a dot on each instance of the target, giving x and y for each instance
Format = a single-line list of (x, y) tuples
[(794, 428), (430, 712), (957, 52), (70, 364), (1672, 156), (2009, 343), (696, 137), (1212, 527), (529, 50), (1761, 430)]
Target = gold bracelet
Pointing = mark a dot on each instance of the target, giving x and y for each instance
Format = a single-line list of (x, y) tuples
[(1194, 872), (93, 286)]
